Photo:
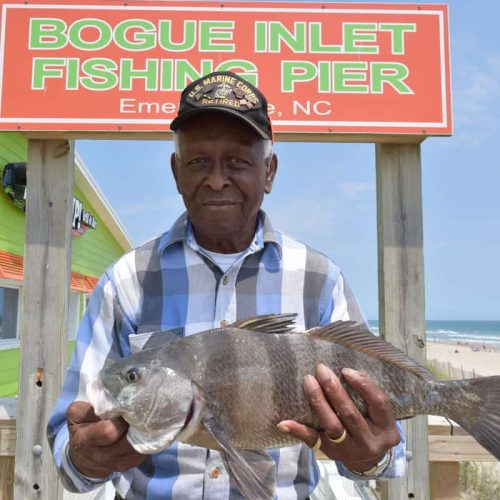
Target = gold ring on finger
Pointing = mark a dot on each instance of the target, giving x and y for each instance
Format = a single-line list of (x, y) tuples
[(317, 446), (340, 439)]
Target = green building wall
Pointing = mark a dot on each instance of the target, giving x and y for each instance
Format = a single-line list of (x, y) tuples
[(92, 252), (13, 148)]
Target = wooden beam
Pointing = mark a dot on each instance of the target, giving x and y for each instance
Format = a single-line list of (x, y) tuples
[(6, 478), (457, 449), (44, 317), (448, 442), (279, 137), (445, 483), (401, 288)]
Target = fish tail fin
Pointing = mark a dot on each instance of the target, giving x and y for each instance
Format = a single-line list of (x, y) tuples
[(478, 411)]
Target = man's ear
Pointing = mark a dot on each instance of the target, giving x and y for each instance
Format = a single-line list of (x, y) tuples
[(271, 169), (174, 165)]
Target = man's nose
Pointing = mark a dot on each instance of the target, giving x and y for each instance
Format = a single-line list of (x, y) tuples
[(217, 177)]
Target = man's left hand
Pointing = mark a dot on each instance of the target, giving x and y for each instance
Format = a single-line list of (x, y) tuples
[(368, 437)]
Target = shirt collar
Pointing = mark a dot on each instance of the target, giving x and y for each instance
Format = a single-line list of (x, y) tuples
[(182, 232)]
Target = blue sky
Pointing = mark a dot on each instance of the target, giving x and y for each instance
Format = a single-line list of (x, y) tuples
[(325, 193)]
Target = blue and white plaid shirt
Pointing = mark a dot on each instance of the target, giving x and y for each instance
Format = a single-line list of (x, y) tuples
[(169, 283)]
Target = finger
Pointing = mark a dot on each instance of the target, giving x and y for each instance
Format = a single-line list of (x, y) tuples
[(123, 448), (380, 409), (346, 411), (306, 434), (95, 461), (81, 411), (322, 408), (122, 455), (101, 434)]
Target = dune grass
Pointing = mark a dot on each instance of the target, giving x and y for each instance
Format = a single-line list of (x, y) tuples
[(478, 480)]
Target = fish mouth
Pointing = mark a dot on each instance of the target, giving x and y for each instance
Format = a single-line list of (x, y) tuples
[(189, 415), (194, 415)]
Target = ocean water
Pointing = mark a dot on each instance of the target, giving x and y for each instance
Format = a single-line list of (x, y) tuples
[(473, 332)]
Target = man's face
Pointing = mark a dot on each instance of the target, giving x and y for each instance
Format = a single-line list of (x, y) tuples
[(222, 170)]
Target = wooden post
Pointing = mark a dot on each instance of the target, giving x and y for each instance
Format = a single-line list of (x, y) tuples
[(44, 317), (401, 289)]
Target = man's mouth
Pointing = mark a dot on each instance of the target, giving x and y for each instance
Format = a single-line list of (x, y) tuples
[(219, 203)]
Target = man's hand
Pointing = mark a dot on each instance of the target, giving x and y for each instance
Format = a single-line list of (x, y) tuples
[(99, 447), (368, 438)]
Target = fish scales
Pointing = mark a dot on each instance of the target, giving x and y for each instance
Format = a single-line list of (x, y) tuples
[(256, 380), (244, 374), (228, 388)]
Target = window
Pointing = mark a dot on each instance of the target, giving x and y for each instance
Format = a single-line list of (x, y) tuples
[(9, 299), (9, 316), (73, 315), (87, 297)]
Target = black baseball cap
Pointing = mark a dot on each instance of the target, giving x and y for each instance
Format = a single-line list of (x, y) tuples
[(225, 92)]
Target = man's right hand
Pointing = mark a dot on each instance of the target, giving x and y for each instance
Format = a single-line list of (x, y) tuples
[(97, 447)]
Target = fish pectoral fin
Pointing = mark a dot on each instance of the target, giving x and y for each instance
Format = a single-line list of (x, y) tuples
[(254, 472)]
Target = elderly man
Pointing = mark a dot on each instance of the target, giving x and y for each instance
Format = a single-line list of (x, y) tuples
[(221, 261)]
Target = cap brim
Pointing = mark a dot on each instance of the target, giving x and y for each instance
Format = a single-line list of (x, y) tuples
[(177, 122)]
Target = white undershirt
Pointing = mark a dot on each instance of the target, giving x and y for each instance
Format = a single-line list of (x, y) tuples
[(223, 260)]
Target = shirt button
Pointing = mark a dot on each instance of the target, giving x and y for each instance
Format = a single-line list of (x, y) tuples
[(224, 280), (215, 473), (223, 323)]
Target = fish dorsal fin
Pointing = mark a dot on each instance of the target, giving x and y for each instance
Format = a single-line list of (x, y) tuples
[(356, 336), (268, 323)]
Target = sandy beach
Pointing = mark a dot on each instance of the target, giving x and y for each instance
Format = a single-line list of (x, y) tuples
[(483, 359)]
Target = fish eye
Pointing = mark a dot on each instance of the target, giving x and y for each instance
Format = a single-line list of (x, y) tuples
[(133, 375)]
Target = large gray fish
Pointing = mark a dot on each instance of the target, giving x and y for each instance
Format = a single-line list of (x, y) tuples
[(227, 388)]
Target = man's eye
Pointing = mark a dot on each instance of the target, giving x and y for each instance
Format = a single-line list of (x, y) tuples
[(238, 162), (198, 162)]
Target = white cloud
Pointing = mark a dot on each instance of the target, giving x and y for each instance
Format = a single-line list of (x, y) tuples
[(149, 206), (476, 96), (302, 216), (356, 189)]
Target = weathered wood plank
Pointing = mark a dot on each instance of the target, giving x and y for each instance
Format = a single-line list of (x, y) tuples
[(7, 438), (6, 478), (43, 325), (443, 446), (401, 287), (288, 137), (444, 481), (457, 449), (441, 426)]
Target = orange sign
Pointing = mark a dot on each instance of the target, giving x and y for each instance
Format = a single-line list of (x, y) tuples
[(325, 68)]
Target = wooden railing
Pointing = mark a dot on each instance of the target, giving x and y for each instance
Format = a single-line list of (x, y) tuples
[(7, 447), (449, 445)]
